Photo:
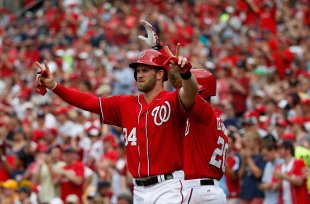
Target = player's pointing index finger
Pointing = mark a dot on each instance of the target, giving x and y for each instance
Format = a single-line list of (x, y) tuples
[(39, 66)]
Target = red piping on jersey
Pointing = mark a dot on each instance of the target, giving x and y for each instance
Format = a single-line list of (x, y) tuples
[(181, 192), (190, 196)]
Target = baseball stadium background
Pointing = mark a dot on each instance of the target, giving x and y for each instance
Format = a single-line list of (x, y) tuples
[(260, 45)]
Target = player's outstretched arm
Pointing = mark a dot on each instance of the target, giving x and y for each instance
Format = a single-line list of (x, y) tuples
[(189, 83), (85, 101)]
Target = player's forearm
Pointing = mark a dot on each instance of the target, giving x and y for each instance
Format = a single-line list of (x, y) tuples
[(78, 99), (188, 91)]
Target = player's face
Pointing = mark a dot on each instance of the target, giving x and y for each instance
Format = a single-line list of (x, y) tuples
[(146, 78)]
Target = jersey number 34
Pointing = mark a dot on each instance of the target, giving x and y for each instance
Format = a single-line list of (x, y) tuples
[(131, 138)]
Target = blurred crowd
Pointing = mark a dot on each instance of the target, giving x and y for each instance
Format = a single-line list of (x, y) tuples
[(259, 51)]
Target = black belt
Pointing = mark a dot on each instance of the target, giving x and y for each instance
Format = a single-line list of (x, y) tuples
[(207, 182), (152, 180)]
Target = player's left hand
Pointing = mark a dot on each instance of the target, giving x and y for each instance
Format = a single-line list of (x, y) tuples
[(177, 61), (173, 74), (152, 38)]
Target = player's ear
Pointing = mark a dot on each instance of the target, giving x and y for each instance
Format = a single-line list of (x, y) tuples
[(160, 74)]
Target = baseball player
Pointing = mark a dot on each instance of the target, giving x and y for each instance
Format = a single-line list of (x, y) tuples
[(153, 123), (205, 142), (205, 145)]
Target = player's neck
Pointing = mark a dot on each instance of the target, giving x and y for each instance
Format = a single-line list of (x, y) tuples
[(149, 96)]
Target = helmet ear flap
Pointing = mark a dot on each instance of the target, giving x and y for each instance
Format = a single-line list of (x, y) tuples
[(165, 75)]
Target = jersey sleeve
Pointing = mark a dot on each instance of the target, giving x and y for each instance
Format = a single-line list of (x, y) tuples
[(201, 108), (85, 101), (181, 111), (108, 108)]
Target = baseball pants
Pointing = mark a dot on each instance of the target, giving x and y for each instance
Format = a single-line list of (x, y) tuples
[(165, 192), (205, 191)]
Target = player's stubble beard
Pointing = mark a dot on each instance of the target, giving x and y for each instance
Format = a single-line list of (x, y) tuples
[(147, 86)]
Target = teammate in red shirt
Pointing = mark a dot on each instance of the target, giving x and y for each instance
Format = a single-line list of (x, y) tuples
[(153, 124), (205, 145), (205, 142)]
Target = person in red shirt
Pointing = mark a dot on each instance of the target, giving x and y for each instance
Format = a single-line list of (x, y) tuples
[(72, 175), (6, 164), (153, 120), (205, 145), (233, 163), (7, 58), (203, 167), (288, 177), (239, 87)]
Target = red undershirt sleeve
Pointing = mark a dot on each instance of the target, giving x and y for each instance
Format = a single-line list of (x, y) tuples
[(85, 101)]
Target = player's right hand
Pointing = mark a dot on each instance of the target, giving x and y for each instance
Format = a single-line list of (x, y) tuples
[(152, 38), (45, 76)]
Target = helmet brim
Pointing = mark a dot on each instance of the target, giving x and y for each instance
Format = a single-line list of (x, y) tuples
[(134, 65)]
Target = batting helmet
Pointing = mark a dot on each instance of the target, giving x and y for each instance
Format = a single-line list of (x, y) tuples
[(153, 58), (206, 82)]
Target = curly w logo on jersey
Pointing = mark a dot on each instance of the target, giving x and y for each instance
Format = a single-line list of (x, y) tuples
[(161, 113)]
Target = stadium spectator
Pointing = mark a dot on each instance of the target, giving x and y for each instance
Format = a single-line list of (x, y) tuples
[(288, 177), (233, 164), (251, 170), (9, 191), (72, 175), (269, 154)]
